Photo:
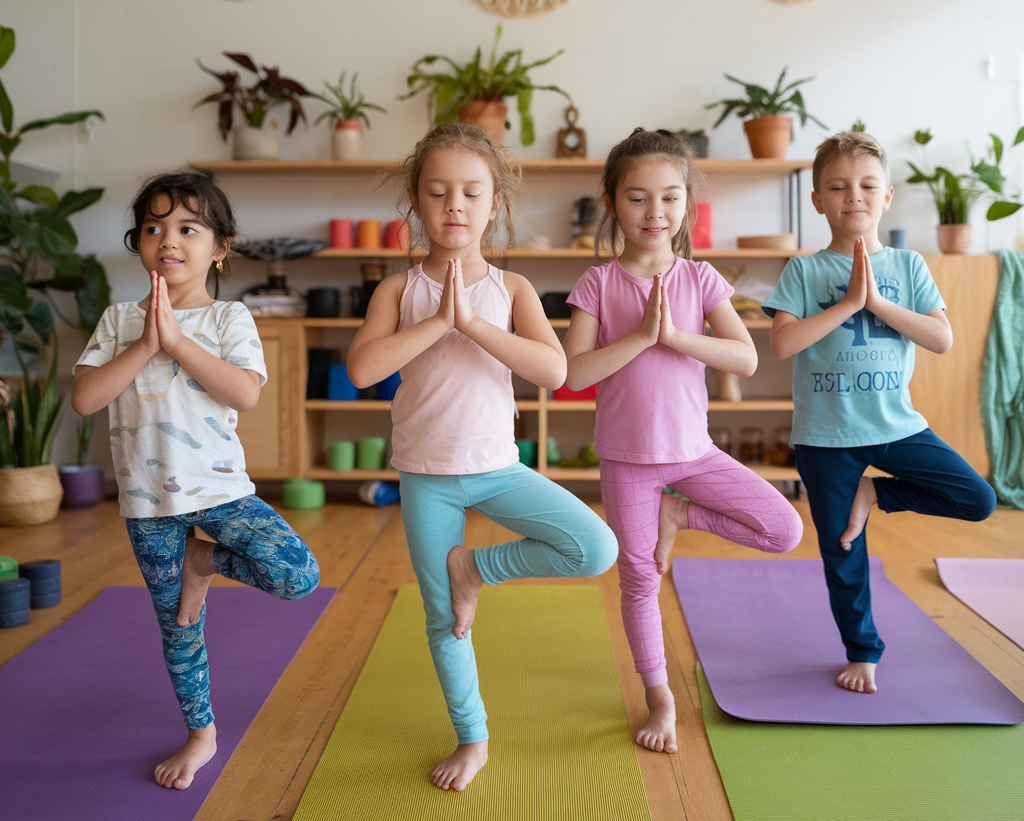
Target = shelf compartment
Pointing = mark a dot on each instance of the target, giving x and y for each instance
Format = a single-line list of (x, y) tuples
[(558, 253), (348, 404)]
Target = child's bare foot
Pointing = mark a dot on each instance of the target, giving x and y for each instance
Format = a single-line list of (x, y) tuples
[(672, 517), (179, 770), (858, 676), (659, 733), (197, 572), (465, 581), (458, 769), (862, 503)]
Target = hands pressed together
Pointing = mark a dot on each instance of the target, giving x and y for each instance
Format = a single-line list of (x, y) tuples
[(161, 329), (455, 310), (862, 292), (657, 324)]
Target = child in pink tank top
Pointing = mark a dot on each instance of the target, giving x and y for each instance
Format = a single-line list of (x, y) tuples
[(457, 328), (638, 328)]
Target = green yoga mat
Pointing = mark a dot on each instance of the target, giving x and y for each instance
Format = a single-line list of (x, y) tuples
[(560, 741), (810, 772)]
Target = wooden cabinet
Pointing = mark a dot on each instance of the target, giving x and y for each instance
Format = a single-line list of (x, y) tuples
[(287, 435)]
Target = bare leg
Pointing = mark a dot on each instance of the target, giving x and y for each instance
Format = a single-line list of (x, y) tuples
[(197, 572), (179, 770), (672, 517), (659, 733), (862, 503), (858, 676), (465, 581), (458, 769)]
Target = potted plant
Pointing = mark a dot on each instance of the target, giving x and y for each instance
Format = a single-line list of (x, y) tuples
[(955, 194), (347, 114), (474, 92), (769, 130), (254, 140), (82, 482), (37, 255)]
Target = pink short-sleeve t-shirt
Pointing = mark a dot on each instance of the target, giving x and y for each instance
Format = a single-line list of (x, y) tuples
[(655, 409)]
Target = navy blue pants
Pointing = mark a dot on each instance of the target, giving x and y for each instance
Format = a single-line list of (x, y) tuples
[(928, 477)]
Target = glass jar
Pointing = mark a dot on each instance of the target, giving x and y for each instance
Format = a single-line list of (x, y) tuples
[(722, 439), (751, 445)]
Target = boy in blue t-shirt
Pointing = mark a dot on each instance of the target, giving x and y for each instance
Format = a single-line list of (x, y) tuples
[(850, 316)]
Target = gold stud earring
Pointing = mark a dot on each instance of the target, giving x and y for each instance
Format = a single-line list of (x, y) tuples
[(220, 266)]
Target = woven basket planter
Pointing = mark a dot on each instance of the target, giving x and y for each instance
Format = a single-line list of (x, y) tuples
[(29, 496)]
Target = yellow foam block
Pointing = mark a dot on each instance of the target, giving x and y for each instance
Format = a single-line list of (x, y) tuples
[(560, 742)]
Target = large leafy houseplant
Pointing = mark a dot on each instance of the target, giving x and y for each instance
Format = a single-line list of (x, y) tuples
[(503, 77), (764, 109), (955, 194), (255, 101), (38, 255)]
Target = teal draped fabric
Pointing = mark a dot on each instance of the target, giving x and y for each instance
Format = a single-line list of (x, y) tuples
[(1002, 383)]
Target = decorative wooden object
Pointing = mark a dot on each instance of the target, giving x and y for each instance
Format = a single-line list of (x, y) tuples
[(520, 8), (572, 141)]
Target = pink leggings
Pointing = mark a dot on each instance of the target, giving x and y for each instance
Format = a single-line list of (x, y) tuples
[(726, 499)]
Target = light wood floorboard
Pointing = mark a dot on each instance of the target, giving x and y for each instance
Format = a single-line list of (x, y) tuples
[(362, 553)]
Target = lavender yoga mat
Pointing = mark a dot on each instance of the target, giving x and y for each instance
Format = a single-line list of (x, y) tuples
[(992, 588), (87, 711), (771, 651)]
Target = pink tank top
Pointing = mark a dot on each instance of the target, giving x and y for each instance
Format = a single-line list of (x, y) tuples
[(454, 411)]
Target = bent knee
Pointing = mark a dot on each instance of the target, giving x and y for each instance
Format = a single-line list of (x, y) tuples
[(599, 550), (980, 505), (788, 536)]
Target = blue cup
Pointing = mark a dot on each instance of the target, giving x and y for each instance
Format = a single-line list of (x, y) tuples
[(387, 388), (338, 384)]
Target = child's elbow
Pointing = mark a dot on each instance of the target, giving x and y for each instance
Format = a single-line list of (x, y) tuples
[(556, 377), (356, 372), (779, 349)]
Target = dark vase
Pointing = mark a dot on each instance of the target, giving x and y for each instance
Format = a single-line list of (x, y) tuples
[(83, 486)]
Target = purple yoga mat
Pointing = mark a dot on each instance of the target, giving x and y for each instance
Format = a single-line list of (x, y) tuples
[(87, 711), (992, 588), (771, 650)]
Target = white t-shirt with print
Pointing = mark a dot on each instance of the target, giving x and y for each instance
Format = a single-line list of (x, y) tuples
[(174, 446)]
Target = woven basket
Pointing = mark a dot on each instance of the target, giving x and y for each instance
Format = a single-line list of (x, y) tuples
[(29, 496)]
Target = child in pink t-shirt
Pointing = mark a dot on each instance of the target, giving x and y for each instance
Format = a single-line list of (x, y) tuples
[(638, 328)]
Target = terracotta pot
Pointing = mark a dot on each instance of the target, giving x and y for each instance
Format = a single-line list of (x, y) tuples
[(255, 144), (347, 140), (83, 485), (29, 496), (954, 239), (489, 116), (769, 137)]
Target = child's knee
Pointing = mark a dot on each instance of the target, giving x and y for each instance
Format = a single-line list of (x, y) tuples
[(600, 549), (981, 504), (789, 532)]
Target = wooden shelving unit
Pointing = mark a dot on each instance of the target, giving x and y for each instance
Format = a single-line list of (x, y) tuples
[(299, 451)]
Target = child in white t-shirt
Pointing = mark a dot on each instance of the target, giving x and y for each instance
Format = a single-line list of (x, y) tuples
[(175, 370)]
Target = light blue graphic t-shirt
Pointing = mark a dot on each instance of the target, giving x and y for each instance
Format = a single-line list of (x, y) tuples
[(851, 388)]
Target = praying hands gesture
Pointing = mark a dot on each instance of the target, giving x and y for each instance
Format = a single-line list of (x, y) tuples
[(161, 330)]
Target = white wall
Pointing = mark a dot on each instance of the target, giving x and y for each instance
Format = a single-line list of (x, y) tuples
[(898, 65)]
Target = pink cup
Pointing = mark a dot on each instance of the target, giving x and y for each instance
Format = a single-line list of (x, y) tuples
[(396, 234), (341, 233)]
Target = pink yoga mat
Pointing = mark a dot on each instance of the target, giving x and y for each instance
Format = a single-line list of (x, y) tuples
[(771, 651), (87, 711), (992, 588)]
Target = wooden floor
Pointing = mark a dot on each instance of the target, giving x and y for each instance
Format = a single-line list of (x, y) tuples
[(362, 553)]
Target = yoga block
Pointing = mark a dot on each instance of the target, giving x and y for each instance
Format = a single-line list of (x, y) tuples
[(302, 494), (563, 394), (319, 366), (339, 386)]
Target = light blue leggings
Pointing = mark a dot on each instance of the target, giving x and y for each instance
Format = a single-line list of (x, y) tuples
[(255, 546), (562, 537)]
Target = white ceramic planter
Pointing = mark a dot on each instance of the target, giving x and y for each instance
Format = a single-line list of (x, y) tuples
[(255, 144), (347, 140)]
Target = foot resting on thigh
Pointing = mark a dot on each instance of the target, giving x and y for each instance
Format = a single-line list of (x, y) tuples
[(659, 733), (465, 581), (858, 676), (458, 769), (862, 502), (672, 517), (179, 770), (197, 572)]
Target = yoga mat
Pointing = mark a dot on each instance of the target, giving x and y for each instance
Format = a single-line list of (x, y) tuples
[(560, 742), (771, 651), (810, 772), (88, 711), (992, 588)]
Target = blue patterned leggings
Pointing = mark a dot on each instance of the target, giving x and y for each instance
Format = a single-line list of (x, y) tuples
[(254, 546)]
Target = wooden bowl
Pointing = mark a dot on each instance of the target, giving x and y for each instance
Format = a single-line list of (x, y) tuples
[(784, 241)]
